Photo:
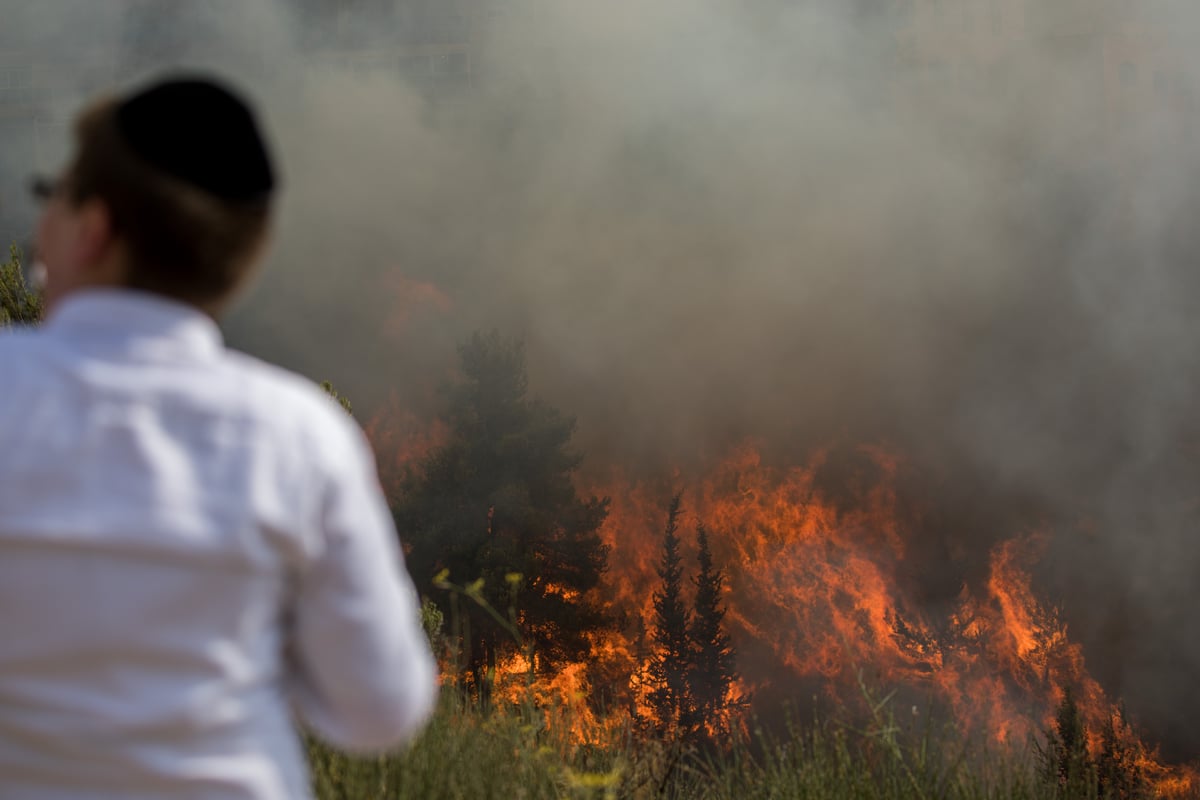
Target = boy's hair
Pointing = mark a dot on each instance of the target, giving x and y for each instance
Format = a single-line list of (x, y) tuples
[(187, 182)]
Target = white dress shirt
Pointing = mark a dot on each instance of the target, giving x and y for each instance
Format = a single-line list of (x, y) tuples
[(193, 544)]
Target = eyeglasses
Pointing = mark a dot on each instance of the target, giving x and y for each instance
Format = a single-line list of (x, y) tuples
[(43, 188)]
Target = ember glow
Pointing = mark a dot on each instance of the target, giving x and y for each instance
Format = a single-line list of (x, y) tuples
[(400, 440)]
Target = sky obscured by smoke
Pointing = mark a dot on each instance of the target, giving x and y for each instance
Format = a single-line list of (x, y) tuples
[(711, 220)]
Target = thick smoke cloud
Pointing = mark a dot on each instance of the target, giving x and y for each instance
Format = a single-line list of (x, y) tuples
[(804, 222)]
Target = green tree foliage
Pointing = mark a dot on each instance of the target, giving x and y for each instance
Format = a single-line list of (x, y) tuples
[(712, 668), (671, 662), (497, 502), (343, 401), (18, 304)]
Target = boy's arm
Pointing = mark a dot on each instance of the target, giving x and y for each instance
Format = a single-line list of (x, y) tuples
[(366, 678)]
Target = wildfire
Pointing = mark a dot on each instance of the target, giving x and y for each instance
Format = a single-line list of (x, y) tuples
[(814, 598), (813, 581), (400, 439), (411, 299)]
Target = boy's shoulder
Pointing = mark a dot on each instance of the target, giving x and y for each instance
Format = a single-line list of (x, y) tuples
[(291, 401), (14, 334), (16, 347)]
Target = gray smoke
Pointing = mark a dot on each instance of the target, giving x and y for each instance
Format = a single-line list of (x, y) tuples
[(963, 229)]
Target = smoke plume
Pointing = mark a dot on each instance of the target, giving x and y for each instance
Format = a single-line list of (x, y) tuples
[(963, 230)]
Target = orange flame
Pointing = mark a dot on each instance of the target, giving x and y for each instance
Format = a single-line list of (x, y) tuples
[(401, 440), (813, 582), (412, 298)]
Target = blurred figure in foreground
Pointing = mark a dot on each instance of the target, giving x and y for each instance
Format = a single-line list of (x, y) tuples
[(193, 544)]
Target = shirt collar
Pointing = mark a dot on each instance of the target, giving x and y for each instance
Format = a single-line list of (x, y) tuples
[(133, 321)]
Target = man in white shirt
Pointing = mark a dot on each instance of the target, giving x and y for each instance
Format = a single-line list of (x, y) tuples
[(193, 544)]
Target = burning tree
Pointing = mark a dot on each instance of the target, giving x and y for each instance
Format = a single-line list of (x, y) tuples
[(1120, 771), (496, 503), (671, 662), (1065, 761), (712, 670), (1116, 772), (691, 668)]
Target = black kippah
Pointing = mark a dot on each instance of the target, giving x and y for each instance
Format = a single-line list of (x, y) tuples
[(200, 132)]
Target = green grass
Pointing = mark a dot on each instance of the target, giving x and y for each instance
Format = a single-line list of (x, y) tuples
[(465, 753), (511, 753)]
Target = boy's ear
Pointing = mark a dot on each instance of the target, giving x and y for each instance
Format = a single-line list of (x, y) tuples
[(95, 234)]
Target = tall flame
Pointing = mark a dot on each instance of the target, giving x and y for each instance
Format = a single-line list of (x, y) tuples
[(814, 598), (813, 582)]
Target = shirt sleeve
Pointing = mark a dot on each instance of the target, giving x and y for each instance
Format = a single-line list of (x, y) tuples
[(364, 677)]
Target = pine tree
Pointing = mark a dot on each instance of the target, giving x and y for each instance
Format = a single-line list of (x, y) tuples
[(1119, 775), (497, 503), (671, 661), (712, 670), (1065, 762)]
